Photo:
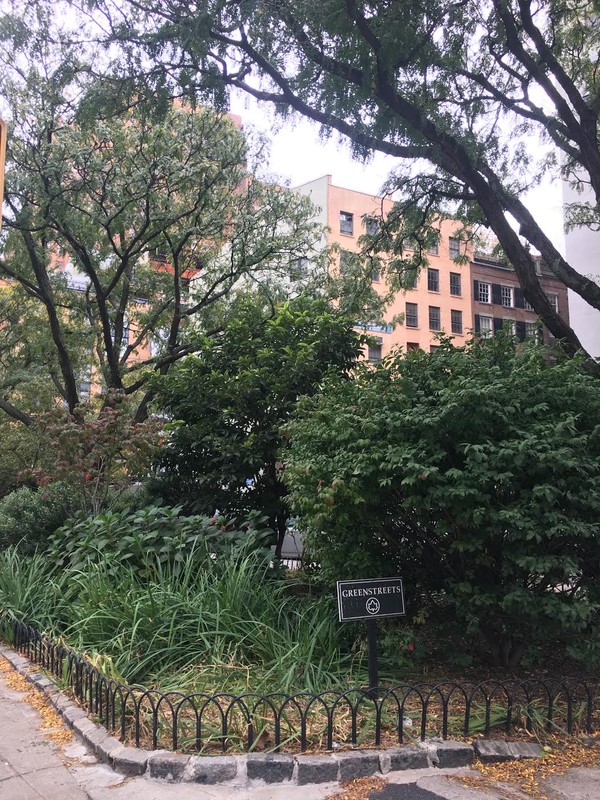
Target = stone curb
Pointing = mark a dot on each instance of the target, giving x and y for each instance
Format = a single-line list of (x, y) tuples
[(256, 769)]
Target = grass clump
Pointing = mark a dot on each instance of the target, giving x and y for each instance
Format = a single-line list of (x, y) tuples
[(200, 624)]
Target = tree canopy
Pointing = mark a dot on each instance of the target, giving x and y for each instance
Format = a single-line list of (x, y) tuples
[(229, 406), (456, 91), (473, 473), (127, 234)]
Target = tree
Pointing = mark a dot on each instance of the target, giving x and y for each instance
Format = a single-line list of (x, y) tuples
[(126, 234), (473, 473), (98, 455), (458, 87), (230, 403)]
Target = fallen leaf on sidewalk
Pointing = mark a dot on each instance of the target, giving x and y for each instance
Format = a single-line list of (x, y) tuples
[(358, 789), (528, 774), (51, 722)]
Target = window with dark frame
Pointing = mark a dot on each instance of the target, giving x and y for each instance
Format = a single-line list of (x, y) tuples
[(456, 321), (532, 330), (483, 292), (375, 348), (433, 280), (454, 247), (346, 223), (507, 296), (485, 326), (455, 284), (372, 226), (412, 315), (412, 347), (435, 318)]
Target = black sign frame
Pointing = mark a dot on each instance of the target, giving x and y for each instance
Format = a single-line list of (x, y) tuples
[(349, 605)]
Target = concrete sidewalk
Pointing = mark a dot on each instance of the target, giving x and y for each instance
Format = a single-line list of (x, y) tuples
[(32, 767)]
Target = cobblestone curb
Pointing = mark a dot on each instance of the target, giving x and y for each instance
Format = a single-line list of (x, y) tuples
[(258, 768)]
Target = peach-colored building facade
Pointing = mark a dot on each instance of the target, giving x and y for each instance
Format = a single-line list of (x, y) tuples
[(441, 299)]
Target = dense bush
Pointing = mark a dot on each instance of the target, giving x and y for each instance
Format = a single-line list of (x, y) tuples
[(229, 404), (28, 517), (153, 537), (475, 474)]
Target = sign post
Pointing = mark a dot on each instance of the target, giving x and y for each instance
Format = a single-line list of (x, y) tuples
[(370, 599)]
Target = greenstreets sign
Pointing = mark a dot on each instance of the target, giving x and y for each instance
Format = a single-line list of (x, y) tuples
[(370, 599)]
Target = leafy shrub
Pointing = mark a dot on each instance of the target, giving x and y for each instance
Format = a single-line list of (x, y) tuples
[(28, 517), (153, 537), (474, 473)]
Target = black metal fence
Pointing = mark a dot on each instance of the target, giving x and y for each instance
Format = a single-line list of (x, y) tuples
[(280, 722)]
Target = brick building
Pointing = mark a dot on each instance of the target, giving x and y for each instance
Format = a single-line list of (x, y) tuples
[(498, 299), (441, 297)]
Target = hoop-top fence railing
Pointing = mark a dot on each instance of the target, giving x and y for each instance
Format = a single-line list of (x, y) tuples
[(295, 723)]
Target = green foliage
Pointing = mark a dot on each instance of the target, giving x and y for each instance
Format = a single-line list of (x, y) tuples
[(446, 89), (100, 455), (475, 473), (228, 624), (31, 589), (150, 539), (28, 517), (229, 405), (108, 220)]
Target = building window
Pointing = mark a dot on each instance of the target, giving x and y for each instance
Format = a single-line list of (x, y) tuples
[(527, 306), (456, 321), (375, 350), (507, 296), (412, 347), (553, 300), (435, 319), (371, 226), (454, 247), (412, 315), (433, 348), (532, 330), (346, 223), (433, 280), (455, 284), (375, 275), (510, 325), (410, 243), (434, 250), (482, 292), (485, 326)]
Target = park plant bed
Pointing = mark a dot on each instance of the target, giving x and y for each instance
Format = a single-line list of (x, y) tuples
[(324, 722), (220, 656)]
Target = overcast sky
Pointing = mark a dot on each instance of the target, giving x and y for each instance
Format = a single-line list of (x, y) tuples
[(299, 155)]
